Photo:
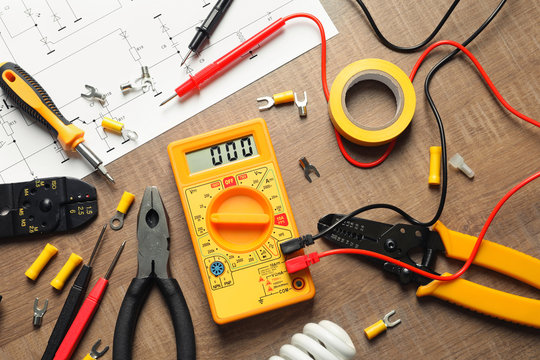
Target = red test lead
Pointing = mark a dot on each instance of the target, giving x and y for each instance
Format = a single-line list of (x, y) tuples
[(86, 313), (211, 70)]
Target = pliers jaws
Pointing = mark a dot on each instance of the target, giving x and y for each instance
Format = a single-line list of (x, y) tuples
[(153, 235)]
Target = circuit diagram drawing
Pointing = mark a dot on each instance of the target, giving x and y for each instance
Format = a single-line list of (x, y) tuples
[(67, 44)]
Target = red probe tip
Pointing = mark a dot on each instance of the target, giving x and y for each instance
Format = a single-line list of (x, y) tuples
[(167, 100)]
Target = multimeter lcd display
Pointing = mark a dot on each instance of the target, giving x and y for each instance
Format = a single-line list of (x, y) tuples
[(222, 154)]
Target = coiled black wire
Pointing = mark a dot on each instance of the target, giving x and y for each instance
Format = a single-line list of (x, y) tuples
[(429, 77)]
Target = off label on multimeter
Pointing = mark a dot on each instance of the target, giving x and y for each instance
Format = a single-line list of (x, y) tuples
[(237, 211)]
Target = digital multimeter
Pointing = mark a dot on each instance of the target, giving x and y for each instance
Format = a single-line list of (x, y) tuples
[(238, 212)]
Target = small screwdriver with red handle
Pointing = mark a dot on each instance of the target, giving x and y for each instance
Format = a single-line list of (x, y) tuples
[(86, 313)]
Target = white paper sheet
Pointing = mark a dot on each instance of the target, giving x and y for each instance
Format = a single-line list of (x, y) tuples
[(103, 43)]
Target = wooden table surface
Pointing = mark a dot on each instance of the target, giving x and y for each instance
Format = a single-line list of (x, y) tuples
[(501, 149)]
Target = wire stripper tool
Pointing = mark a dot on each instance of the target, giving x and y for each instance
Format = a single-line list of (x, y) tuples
[(398, 240), (153, 258), (30, 97)]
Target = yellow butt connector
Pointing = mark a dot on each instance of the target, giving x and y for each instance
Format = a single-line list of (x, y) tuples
[(117, 221), (381, 326), (68, 268), (435, 165), (46, 254), (117, 127)]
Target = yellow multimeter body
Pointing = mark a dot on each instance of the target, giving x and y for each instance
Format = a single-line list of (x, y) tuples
[(238, 213)]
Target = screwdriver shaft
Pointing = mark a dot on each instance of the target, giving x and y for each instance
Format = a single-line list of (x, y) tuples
[(115, 260), (91, 261)]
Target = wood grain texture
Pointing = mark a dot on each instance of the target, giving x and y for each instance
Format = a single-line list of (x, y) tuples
[(500, 148)]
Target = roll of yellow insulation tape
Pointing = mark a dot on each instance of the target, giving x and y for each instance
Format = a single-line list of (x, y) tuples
[(377, 70)]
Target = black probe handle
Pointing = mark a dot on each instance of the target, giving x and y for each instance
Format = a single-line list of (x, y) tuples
[(9, 73), (208, 26), (69, 310), (131, 308)]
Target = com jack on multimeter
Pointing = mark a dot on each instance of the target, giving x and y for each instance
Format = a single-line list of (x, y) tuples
[(238, 212)]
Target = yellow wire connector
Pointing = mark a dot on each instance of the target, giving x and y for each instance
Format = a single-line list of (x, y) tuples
[(46, 254), (381, 326), (117, 127), (279, 98), (435, 165), (68, 268), (117, 221)]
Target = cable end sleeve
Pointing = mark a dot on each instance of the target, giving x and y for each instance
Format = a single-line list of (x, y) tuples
[(301, 262), (290, 246)]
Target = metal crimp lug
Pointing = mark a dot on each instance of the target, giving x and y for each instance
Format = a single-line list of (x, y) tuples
[(386, 319), (38, 313), (269, 102), (117, 221), (93, 94), (308, 168), (95, 353), (302, 105)]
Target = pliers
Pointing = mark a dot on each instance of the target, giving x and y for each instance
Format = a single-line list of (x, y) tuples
[(397, 241), (153, 257)]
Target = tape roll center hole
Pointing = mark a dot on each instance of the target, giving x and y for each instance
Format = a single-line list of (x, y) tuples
[(372, 104)]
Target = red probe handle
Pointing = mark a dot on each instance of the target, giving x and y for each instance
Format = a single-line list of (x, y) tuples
[(209, 71), (83, 318)]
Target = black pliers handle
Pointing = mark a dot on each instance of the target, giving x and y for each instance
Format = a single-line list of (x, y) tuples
[(131, 308)]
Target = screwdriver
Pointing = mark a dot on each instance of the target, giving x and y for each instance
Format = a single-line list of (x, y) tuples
[(72, 304), (30, 97), (209, 71), (208, 26), (86, 313)]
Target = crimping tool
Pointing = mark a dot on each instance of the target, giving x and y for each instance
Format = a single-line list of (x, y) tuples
[(46, 205), (399, 240)]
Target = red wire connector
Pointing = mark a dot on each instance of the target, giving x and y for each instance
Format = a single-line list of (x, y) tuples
[(301, 262)]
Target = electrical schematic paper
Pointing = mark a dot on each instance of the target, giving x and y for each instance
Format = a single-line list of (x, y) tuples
[(66, 45)]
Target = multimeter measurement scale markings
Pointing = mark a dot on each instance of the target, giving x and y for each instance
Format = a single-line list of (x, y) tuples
[(198, 205)]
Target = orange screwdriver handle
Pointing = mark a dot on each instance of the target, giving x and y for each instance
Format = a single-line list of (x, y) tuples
[(83, 318), (30, 97)]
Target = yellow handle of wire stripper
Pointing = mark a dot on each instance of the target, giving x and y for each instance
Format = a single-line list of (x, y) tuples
[(485, 300), (30, 96), (493, 256)]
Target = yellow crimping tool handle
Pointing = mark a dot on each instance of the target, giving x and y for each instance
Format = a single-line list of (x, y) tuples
[(485, 300), (493, 256)]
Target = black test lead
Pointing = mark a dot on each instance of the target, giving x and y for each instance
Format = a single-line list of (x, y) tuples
[(207, 27), (72, 304)]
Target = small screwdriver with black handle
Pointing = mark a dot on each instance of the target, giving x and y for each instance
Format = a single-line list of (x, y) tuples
[(30, 97)]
